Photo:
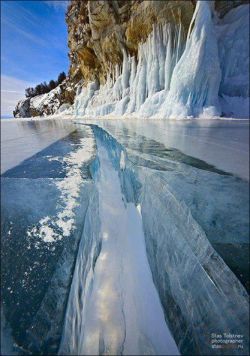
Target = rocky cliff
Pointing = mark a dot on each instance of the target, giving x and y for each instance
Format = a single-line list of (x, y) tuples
[(57, 100), (101, 33)]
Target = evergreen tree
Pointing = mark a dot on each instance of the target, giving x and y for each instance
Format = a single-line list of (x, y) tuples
[(61, 77), (44, 87), (38, 89), (28, 92), (52, 84)]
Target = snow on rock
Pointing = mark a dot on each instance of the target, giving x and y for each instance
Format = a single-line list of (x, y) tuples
[(57, 100)]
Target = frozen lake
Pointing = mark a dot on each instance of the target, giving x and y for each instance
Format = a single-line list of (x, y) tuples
[(223, 143), (21, 139), (124, 236)]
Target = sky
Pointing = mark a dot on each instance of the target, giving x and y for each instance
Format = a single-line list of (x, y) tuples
[(33, 47)]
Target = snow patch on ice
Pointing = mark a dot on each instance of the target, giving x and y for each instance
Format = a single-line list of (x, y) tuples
[(69, 188)]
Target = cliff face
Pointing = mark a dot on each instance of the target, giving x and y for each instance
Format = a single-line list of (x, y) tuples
[(101, 33)]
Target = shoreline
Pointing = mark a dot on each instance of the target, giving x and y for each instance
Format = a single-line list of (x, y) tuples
[(123, 118)]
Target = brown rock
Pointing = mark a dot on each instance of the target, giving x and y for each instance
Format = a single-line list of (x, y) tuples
[(99, 31)]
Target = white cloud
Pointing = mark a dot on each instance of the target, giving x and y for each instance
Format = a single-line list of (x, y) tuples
[(12, 90), (36, 39), (58, 4)]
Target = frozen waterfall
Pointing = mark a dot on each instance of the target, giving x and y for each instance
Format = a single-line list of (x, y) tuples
[(205, 74), (141, 82), (196, 77), (233, 40)]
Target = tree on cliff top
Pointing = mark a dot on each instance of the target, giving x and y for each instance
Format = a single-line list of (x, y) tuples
[(52, 84), (61, 77), (43, 88)]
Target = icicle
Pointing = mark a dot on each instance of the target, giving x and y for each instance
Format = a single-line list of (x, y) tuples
[(192, 22), (161, 50), (133, 71), (125, 73), (133, 87), (178, 49), (196, 77), (168, 59), (151, 58)]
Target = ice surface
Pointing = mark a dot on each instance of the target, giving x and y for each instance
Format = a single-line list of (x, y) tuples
[(22, 139), (7, 343), (43, 205), (233, 41), (119, 311), (235, 106), (157, 259), (224, 144), (191, 278)]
